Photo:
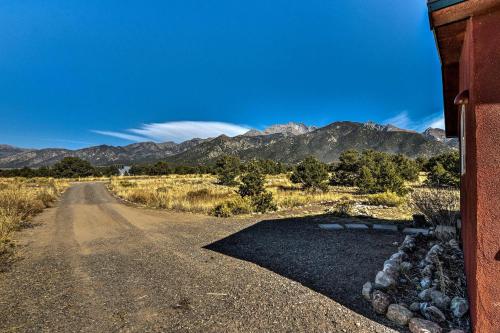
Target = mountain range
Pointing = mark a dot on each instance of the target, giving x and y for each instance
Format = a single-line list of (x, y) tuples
[(287, 143)]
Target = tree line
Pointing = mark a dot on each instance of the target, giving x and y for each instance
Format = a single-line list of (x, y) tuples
[(369, 170)]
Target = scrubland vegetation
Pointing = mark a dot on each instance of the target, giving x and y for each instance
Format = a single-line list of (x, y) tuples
[(202, 193), (234, 187), (21, 199), (368, 179)]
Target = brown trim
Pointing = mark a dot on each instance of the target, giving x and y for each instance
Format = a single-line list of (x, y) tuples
[(462, 11)]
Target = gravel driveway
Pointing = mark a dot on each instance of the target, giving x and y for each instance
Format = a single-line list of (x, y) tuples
[(95, 265)]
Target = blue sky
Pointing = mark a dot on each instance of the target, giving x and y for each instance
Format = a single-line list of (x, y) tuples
[(77, 73)]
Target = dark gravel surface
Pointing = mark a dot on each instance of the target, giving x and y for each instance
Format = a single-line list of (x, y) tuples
[(95, 265)]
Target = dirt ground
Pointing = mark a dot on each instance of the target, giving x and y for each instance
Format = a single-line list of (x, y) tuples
[(92, 264)]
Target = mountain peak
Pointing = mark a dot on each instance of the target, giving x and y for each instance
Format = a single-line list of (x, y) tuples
[(290, 128), (386, 127)]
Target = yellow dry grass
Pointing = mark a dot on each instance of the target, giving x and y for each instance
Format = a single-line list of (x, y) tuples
[(21, 199), (201, 193)]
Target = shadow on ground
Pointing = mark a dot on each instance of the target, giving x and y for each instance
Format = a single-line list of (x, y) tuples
[(333, 263)]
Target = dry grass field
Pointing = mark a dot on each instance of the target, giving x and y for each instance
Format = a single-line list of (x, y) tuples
[(201, 193), (21, 199)]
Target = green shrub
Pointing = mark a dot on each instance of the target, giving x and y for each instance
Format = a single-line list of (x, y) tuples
[(222, 210), (374, 172), (72, 167), (232, 207), (201, 194), (252, 184), (263, 202), (407, 168), (439, 176), (343, 208), (444, 170), (389, 199), (126, 183), (227, 169), (311, 173)]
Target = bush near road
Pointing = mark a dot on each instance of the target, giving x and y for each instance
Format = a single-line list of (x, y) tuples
[(21, 199)]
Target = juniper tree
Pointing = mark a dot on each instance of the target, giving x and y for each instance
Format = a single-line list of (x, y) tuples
[(227, 169), (311, 173)]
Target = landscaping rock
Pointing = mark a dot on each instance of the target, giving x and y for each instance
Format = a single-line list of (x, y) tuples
[(440, 300), (408, 244), (415, 306), (425, 295), (433, 313), (385, 227), (331, 226), (454, 244), (456, 331), (416, 231), (391, 267), (398, 256), (380, 301), (399, 314), (459, 307), (434, 253), (367, 291), (417, 325), (425, 283), (384, 280)]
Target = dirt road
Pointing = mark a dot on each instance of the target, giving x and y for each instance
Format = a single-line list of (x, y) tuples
[(95, 265)]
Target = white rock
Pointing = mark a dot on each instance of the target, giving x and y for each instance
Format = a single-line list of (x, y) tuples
[(398, 256), (418, 325), (425, 295), (391, 267), (384, 280), (425, 282), (459, 306), (434, 314), (380, 301), (399, 314), (367, 291), (415, 306), (433, 254), (440, 300)]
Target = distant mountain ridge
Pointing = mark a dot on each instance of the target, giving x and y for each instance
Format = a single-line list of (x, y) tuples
[(438, 134), (287, 143), (287, 129), (6, 150)]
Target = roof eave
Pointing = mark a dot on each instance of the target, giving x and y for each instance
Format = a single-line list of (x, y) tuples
[(434, 5)]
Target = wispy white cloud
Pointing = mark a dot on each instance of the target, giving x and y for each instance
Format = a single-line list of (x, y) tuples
[(120, 135), (403, 120), (177, 131), (437, 122)]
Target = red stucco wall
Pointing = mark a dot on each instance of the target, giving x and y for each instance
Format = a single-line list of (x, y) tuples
[(480, 74)]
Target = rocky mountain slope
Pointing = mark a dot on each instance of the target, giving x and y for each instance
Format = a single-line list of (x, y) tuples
[(286, 129), (438, 134), (6, 150), (286, 143), (326, 143)]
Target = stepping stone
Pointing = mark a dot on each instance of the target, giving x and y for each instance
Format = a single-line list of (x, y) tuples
[(416, 231), (389, 227), (356, 226), (332, 226)]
